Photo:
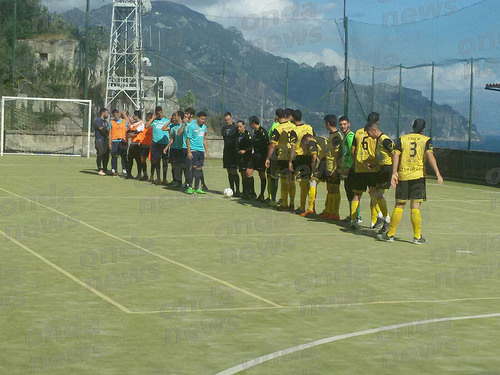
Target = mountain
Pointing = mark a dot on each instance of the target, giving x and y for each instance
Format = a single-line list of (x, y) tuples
[(194, 50)]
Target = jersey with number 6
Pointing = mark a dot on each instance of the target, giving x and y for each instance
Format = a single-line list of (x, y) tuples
[(412, 148), (365, 152)]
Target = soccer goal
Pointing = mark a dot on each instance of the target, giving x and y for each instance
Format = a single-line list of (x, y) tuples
[(45, 126)]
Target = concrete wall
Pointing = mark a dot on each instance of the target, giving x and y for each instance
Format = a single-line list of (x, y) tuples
[(74, 144)]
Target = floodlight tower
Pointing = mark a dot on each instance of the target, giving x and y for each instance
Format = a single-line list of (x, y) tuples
[(124, 81)]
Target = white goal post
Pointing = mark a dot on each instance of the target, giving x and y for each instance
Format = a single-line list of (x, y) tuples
[(45, 126)]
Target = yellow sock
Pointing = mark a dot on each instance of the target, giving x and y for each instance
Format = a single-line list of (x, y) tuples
[(383, 206), (354, 210), (374, 214), (291, 192), (284, 191), (335, 203), (304, 190), (397, 214), (416, 221), (312, 198)]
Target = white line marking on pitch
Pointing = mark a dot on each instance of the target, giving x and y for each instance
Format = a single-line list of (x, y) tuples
[(280, 353), (67, 274), (182, 265)]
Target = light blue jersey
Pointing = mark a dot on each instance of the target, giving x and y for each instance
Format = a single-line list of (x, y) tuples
[(185, 134), (160, 136), (178, 139), (196, 136)]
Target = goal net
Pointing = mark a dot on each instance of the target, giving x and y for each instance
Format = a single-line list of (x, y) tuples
[(45, 126)]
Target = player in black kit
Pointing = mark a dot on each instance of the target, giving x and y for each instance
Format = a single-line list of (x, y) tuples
[(230, 155)]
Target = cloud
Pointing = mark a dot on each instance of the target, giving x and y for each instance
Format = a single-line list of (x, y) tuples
[(326, 56)]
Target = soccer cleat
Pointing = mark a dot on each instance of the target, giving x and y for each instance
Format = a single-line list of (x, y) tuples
[(260, 198), (359, 220), (171, 183), (273, 204), (333, 217), (115, 173), (384, 237), (204, 188), (190, 190), (199, 191), (252, 196), (124, 171), (419, 241), (177, 185), (380, 222), (347, 219), (307, 213), (237, 194), (298, 211), (144, 178), (157, 181), (283, 208), (101, 173), (324, 215), (164, 182), (385, 228)]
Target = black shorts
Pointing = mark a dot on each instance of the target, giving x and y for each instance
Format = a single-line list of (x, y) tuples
[(145, 151), (118, 148), (363, 180), (102, 147), (324, 175), (282, 168), (411, 190), (259, 162), (245, 163), (302, 167), (230, 158), (198, 158), (383, 177), (157, 151), (175, 156)]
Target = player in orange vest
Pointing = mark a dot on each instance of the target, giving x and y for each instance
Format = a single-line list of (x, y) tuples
[(118, 141)]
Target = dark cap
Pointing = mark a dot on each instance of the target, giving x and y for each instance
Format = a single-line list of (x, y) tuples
[(418, 125), (158, 109), (372, 118)]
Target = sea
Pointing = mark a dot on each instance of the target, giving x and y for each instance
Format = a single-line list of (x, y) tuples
[(489, 143)]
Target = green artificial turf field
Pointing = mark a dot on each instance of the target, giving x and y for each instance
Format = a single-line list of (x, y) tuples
[(101, 275)]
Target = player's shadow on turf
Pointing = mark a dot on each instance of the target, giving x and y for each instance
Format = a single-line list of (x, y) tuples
[(251, 202)]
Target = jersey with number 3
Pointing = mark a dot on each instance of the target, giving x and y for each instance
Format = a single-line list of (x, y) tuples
[(412, 148)]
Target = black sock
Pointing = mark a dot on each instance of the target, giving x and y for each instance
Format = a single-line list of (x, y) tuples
[(251, 185), (263, 182), (236, 182), (197, 178), (231, 181)]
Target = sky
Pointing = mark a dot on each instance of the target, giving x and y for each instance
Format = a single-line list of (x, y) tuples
[(310, 31)]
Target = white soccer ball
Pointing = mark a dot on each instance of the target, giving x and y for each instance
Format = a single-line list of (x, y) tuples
[(228, 193)]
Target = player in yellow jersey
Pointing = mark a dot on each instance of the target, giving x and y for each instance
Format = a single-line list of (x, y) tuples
[(408, 177), (315, 147), (384, 151), (365, 167), (279, 146), (299, 163)]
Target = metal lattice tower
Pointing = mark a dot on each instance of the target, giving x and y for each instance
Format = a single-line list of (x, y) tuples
[(124, 81)]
